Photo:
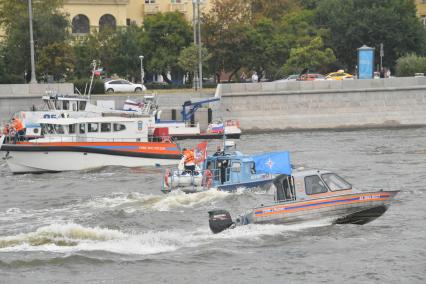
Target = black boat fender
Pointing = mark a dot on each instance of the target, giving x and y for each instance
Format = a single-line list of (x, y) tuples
[(220, 220)]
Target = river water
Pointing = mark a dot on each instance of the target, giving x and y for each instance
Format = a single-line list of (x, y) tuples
[(113, 225)]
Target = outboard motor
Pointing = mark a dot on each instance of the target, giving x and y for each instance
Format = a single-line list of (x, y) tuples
[(219, 220)]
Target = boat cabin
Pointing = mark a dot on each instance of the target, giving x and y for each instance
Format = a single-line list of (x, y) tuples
[(309, 184), (94, 129), (69, 103), (230, 169)]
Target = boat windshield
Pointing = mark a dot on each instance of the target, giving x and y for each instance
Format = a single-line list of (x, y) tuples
[(335, 182)]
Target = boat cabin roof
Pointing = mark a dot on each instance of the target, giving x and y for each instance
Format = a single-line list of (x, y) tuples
[(232, 156), (68, 121), (64, 98)]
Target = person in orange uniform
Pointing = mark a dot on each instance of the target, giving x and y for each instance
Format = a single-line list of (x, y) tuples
[(189, 160), (19, 128)]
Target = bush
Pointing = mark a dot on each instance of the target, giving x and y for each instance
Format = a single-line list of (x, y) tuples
[(409, 65), (83, 84)]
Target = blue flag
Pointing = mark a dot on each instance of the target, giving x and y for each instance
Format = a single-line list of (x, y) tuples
[(273, 163)]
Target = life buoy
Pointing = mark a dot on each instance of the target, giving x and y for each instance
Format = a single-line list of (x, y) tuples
[(208, 177), (166, 178)]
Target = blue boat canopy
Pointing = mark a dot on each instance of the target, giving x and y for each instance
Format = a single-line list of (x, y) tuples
[(273, 163)]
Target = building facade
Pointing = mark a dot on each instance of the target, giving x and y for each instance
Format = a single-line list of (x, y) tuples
[(421, 10), (88, 15)]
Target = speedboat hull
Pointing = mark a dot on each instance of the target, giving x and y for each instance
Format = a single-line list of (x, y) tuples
[(357, 208), (27, 158)]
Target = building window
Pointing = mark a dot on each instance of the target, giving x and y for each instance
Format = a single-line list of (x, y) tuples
[(80, 24), (176, 1), (128, 22), (149, 1), (423, 20), (107, 21)]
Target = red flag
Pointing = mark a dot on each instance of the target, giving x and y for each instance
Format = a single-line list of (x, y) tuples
[(200, 152)]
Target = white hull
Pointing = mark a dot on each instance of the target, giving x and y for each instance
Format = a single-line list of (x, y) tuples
[(39, 162)]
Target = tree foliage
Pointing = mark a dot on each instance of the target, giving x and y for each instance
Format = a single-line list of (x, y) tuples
[(224, 31), (313, 56), (50, 28), (410, 64), (274, 10), (164, 37), (354, 23), (188, 59)]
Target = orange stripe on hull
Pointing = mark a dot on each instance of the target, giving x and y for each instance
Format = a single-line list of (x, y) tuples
[(311, 205)]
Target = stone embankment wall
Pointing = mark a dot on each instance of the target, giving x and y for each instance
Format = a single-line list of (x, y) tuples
[(325, 104), (17, 97)]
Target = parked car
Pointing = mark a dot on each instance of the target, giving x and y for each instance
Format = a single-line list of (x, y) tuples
[(311, 77), (124, 86), (289, 78), (339, 75)]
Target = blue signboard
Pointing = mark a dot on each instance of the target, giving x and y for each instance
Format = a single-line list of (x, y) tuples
[(365, 62)]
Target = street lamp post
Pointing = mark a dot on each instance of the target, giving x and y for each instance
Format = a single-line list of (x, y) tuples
[(30, 16), (142, 72)]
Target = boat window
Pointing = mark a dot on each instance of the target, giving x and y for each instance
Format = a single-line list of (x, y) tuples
[(71, 128), (236, 166), (82, 105), (105, 127), (59, 129), (46, 129), (92, 127), (335, 182), (285, 188), (314, 185), (119, 127), (82, 128), (252, 168), (65, 105), (50, 129)]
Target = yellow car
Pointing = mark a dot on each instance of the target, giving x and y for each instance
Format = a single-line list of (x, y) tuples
[(339, 75)]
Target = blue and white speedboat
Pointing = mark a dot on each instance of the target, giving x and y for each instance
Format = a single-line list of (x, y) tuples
[(229, 172)]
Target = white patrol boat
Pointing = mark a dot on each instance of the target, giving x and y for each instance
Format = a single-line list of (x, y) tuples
[(89, 142)]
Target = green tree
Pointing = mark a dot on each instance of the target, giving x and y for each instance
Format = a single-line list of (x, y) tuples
[(273, 10), (50, 27), (126, 51), (354, 23), (224, 31), (57, 60), (297, 33), (85, 50), (188, 60), (313, 56), (410, 64), (164, 37)]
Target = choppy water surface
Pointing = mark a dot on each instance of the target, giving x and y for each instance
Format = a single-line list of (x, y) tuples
[(113, 225)]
